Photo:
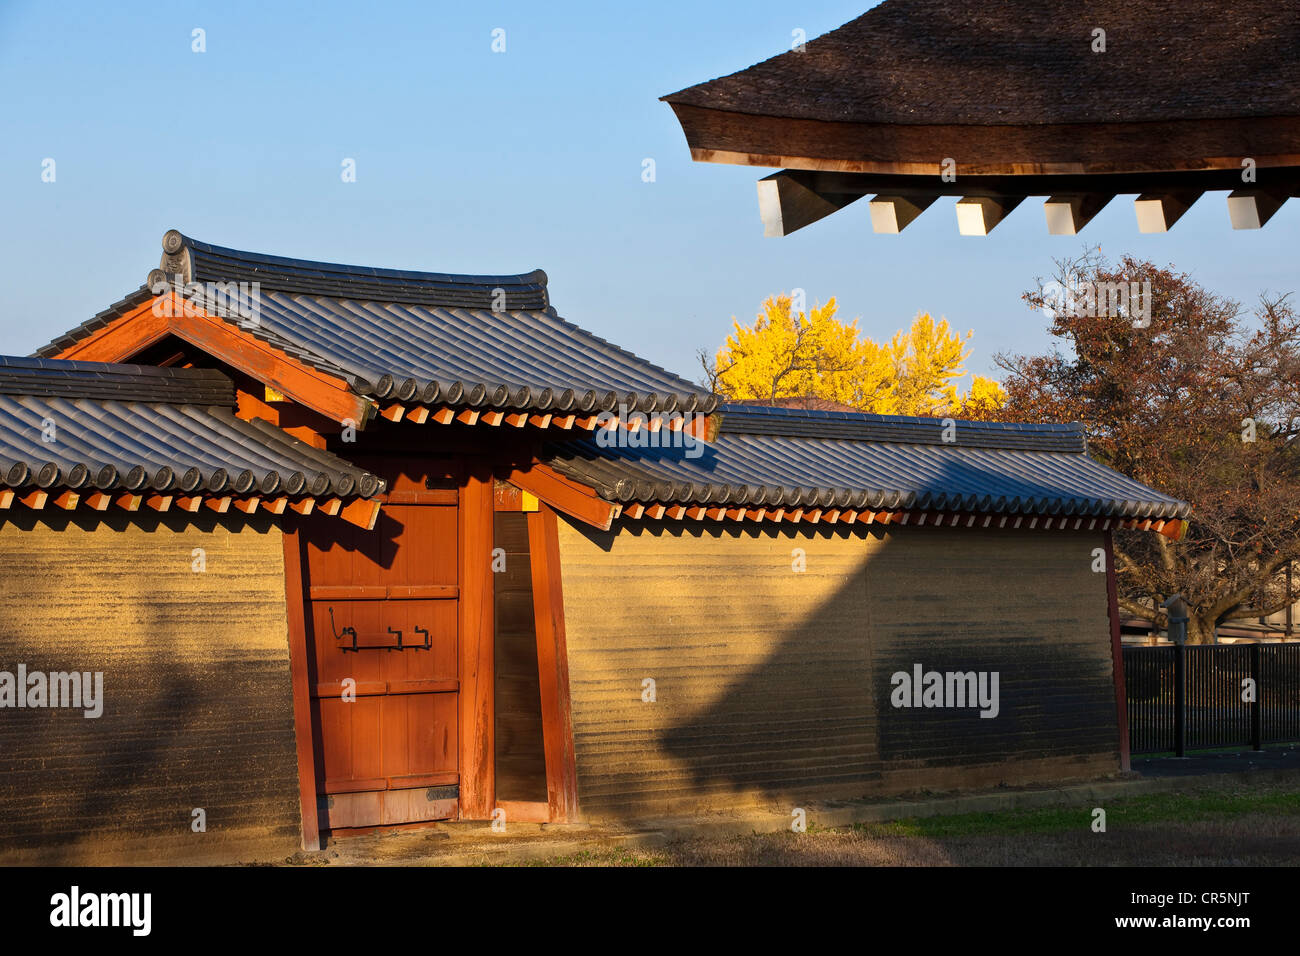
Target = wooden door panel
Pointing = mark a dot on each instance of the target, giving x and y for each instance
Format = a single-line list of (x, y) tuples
[(419, 803), (372, 619), (418, 740), (349, 733), (389, 755), (430, 557), (386, 807), (351, 809)]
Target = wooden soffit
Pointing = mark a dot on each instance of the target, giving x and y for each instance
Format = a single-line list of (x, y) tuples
[(719, 136)]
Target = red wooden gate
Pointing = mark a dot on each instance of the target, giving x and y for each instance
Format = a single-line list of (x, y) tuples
[(382, 642)]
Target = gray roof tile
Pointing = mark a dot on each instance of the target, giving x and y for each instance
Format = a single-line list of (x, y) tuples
[(431, 337), (979, 472), (134, 427), (751, 419)]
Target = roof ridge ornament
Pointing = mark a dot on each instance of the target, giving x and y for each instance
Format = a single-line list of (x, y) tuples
[(176, 261)]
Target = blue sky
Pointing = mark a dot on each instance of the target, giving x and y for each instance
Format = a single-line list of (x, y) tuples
[(473, 161)]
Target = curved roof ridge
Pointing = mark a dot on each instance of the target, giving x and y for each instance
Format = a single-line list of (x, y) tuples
[(197, 261), (904, 429)]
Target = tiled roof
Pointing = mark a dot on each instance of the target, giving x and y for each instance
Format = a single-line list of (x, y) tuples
[(750, 419), (96, 426), (123, 383), (1030, 62), (97, 321), (430, 337), (810, 402), (785, 458), (208, 263)]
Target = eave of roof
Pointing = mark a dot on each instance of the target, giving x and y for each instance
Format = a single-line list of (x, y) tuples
[(100, 320), (1029, 62), (415, 340), (781, 461), (96, 434), (1014, 86)]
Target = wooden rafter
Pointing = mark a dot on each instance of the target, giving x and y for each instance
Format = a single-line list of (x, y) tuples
[(1073, 197), (566, 495), (787, 204), (700, 427)]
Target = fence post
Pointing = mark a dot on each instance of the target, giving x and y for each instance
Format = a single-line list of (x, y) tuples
[(1257, 707), (1177, 616), (1180, 700)]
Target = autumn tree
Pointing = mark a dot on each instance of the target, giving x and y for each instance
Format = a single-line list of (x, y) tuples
[(1198, 399), (787, 355)]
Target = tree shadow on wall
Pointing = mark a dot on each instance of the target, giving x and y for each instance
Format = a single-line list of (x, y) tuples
[(812, 718), (191, 719)]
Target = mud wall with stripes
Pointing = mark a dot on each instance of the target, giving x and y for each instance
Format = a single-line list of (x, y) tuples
[(773, 652)]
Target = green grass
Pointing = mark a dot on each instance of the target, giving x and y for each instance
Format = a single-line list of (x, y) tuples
[(1195, 825), (1181, 807)]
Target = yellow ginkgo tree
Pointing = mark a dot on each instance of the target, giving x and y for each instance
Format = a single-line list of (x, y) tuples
[(786, 355)]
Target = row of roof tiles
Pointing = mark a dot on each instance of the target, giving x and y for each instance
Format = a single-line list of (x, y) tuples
[(203, 262), (418, 339), (772, 470), (174, 430), (752, 419), (86, 425), (477, 341)]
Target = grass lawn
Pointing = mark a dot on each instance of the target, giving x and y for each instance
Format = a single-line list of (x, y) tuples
[(1257, 826)]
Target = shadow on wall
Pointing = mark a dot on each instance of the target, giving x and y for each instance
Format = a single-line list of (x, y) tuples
[(197, 707), (774, 684)]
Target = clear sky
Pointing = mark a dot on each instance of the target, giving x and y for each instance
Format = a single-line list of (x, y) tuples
[(473, 161)]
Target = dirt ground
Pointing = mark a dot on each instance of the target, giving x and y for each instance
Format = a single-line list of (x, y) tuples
[(1251, 840), (1242, 823)]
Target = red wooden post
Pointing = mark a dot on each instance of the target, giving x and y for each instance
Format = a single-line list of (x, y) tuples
[(477, 666), (553, 665), (294, 598)]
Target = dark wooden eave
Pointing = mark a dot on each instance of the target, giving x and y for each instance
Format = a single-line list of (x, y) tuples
[(1012, 89), (718, 136)]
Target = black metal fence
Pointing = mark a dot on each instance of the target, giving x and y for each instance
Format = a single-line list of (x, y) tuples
[(1199, 697)]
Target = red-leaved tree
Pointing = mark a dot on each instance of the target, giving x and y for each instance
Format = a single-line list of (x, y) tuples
[(1202, 403)]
